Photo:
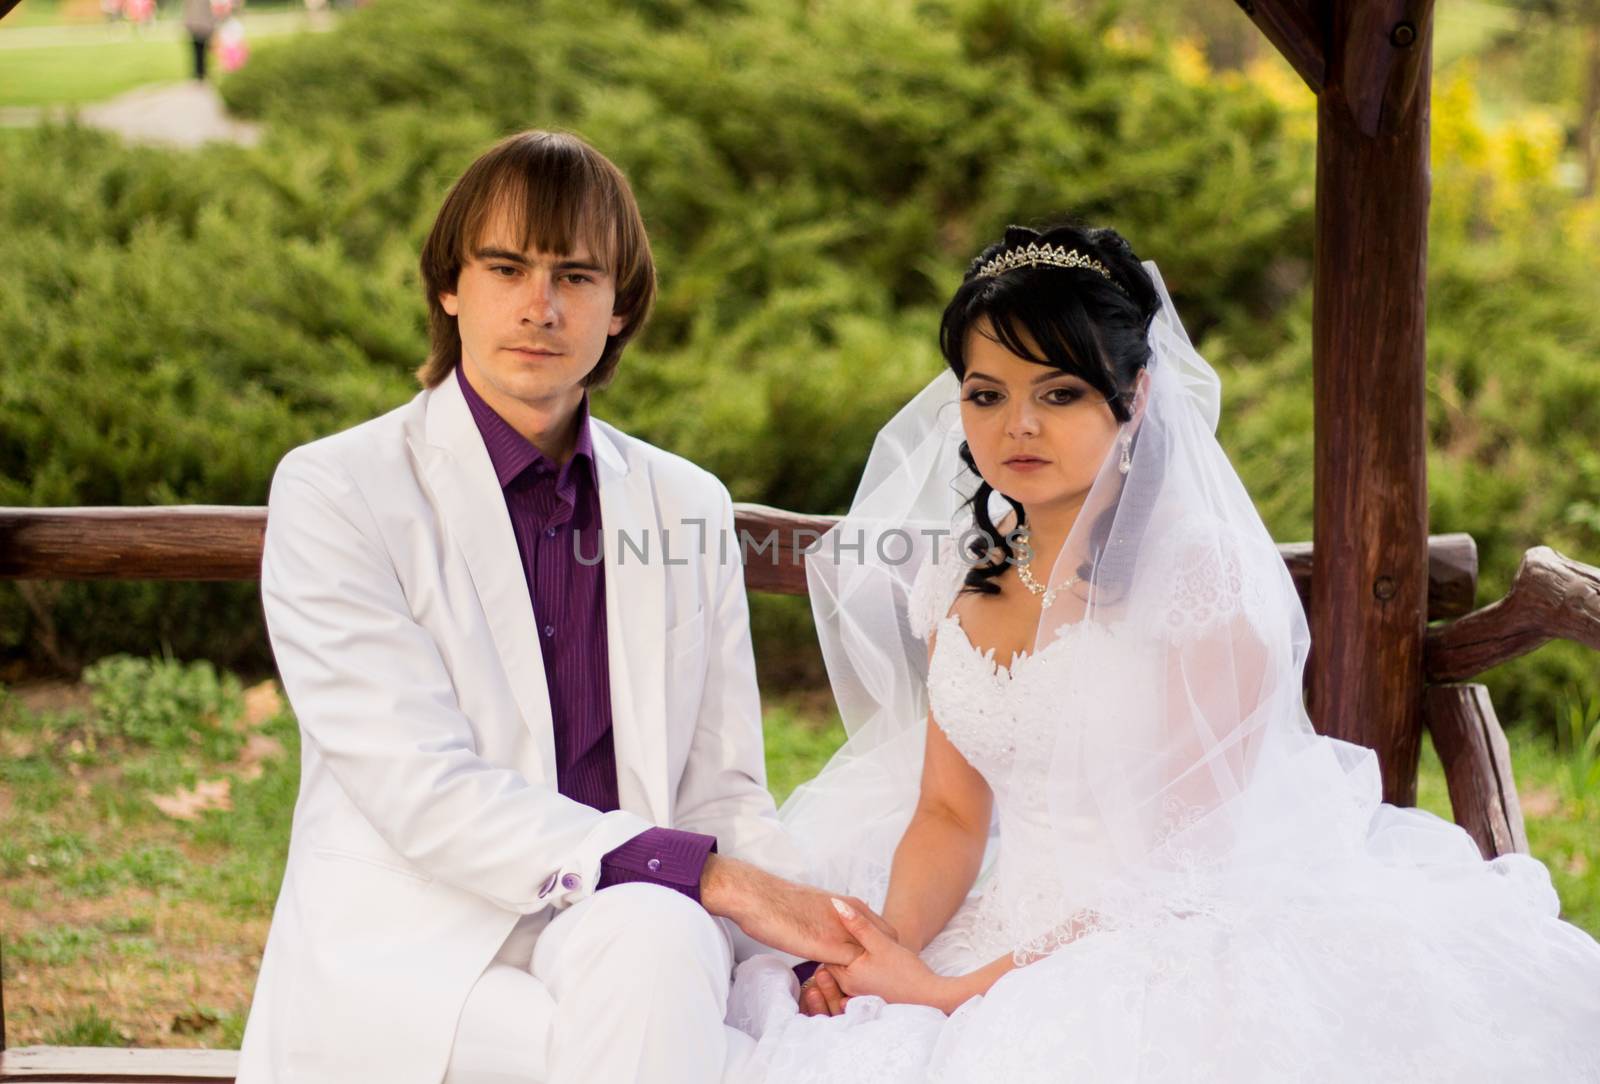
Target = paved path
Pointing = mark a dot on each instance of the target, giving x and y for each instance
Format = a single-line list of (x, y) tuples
[(183, 114)]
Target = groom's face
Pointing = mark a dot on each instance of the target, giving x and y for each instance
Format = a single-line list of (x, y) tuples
[(533, 323), (1037, 434)]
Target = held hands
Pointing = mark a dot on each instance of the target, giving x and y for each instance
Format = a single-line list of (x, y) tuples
[(820, 994), (863, 949), (791, 917), (884, 967)]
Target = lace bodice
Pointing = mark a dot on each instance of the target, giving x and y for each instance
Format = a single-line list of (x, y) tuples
[(1007, 721), (1005, 718), (995, 712)]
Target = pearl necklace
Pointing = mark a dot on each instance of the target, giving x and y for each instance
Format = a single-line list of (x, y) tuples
[(1025, 576)]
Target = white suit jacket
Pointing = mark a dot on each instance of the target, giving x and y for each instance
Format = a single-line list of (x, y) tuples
[(428, 820)]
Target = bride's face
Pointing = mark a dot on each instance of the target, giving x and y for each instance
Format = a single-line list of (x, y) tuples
[(1038, 435)]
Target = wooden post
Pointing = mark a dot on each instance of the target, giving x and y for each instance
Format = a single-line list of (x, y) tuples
[(1369, 590), (1477, 767)]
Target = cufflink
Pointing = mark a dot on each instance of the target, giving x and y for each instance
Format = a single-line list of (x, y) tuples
[(654, 865), (571, 882)]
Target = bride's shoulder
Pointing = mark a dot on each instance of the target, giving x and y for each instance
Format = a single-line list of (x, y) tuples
[(1202, 570), (934, 587), (1197, 536)]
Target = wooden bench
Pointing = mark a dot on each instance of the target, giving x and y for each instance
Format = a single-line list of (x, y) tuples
[(1551, 598)]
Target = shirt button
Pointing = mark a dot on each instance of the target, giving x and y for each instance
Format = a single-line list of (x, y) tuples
[(654, 865), (571, 881), (549, 532), (549, 630)]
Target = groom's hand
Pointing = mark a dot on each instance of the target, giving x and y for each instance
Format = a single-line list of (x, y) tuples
[(821, 996), (791, 917)]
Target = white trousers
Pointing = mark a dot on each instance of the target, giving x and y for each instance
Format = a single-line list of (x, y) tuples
[(629, 985)]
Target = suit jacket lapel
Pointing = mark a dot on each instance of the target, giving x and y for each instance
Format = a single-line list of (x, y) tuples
[(457, 467), (635, 629)]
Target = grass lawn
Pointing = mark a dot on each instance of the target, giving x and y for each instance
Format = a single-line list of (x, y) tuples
[(78, 74), (87, 12), (95, 62), (144, 820)]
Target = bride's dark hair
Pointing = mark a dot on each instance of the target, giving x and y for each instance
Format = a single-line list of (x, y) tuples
[(1069, 318)]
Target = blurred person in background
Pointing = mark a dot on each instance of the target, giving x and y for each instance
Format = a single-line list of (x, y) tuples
[(201, 22)]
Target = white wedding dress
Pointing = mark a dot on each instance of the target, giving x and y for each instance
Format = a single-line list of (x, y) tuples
[(1440, 967), (1195, 885)]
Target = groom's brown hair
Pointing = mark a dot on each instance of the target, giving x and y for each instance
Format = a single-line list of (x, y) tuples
[(555, 188)]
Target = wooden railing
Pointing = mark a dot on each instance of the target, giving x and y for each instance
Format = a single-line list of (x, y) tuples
[(211, 542), (1552, 598)]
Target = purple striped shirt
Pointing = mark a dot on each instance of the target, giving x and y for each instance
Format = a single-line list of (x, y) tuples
[(553, 508)]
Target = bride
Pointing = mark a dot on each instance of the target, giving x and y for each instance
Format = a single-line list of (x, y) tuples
[(1080, 783)]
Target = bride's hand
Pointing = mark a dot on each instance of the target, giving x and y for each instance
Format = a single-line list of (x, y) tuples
[(885, 967)]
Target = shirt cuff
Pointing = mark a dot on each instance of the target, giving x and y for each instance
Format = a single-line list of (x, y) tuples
[(665, 856)]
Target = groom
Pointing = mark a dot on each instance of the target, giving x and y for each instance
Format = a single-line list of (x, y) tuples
[(533, 831)]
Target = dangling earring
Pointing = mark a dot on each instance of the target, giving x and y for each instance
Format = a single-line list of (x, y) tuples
[(1125, 464)]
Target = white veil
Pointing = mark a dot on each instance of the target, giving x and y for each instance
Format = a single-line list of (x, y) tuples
[(1256, 911), (849, 819), (1171, 787)]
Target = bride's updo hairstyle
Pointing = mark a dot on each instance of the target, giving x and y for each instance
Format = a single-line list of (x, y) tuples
[(1091, 325)]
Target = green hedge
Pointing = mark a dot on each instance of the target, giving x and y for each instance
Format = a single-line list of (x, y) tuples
[(814, 178), (813, 184)]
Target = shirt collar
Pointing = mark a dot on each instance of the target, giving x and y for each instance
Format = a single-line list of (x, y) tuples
[(510, 452)]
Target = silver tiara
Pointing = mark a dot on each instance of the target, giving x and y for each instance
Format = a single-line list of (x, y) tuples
[(1048, 255)]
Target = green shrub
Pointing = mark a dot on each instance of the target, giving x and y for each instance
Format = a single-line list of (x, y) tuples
[(167, 705), (813, 181), (814, 178)]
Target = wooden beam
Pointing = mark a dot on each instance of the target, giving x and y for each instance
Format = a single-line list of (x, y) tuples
[(214, 543), (1552, 597), (1477, 767), (1295, 28), (174, 542), (94, 1065), (1452, 573), (774, 544), (1369, 592), (200, 542), (1387, 49)]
